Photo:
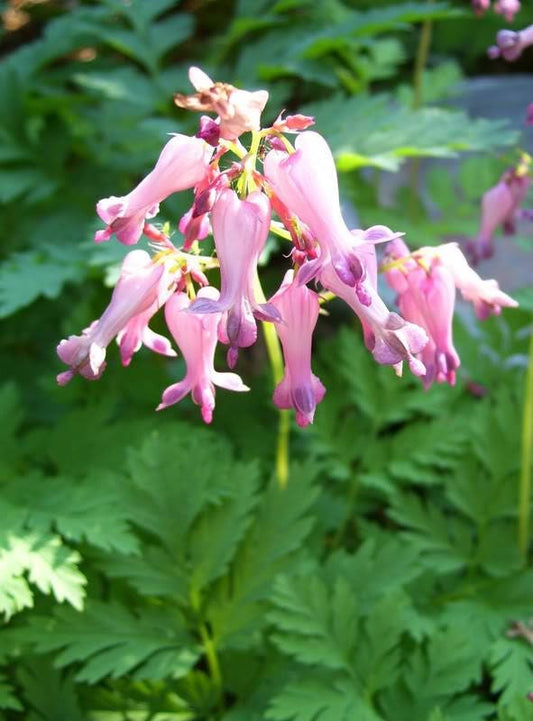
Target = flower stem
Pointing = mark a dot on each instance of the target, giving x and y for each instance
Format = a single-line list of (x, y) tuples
[(524, 502), (275, 357)]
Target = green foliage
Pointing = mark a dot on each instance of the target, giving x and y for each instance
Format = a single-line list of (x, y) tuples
[(386, 132), (151, 570)]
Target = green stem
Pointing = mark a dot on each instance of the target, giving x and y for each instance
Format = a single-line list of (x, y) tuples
[(524, 502), (422, 54), (275, 357), (421, 59), (212, 658)]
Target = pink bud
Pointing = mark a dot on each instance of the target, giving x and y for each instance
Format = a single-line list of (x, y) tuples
[(209, 131), (293, 123)]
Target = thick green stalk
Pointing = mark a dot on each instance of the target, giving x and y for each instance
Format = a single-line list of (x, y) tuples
[(524, 502)]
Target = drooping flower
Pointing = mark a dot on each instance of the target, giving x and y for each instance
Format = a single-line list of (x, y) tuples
[(507, 8), (511, 44), (485, 295), (240, 230), (299, 388), (196, 337), (426, 296), (499, 206), (142, 288), (389, 337), (306, 182), (239, 110), (183, 163)]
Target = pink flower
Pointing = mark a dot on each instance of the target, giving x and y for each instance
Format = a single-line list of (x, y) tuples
[(507, 8), (194, 228), (183, 163), (389, 337), (510, 44), (499, 207), (141, 288), (239, 111), (529, 114), (480, 6), (240, 230), (485, 295), (299, 388), (426, 296), (196, 337), (306, 182)]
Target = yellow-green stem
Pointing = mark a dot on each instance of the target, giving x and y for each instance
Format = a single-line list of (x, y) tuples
[(212, 659), (524, 502), (275, 356)]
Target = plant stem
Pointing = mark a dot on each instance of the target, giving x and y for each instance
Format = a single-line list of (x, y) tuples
[(212, 658), (421, 59), (275, 357), (524, 502)]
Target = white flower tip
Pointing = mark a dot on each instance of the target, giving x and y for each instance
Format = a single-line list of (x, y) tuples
[(199, 80), (96, 358)]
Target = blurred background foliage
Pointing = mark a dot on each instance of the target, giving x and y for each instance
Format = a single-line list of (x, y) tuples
[(385, 582)]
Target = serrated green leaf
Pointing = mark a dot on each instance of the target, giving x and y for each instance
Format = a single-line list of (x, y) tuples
[(110, 641), (46, 562), (315, 624), (50, 693), (320, 698), (280, 525), (89, 510), (378, 567), (511, 663), (24, 277), (7, 698), (214, 537), (385, 132), (445, 542)]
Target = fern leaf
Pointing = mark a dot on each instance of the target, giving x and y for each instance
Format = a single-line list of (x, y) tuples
[(310, 699), (109, 641), (280, 525), (512, 671), (41, 560), (315, 624)]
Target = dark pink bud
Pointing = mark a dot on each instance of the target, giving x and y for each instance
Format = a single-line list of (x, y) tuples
[(204, 202), (277, 144), (209, 131)]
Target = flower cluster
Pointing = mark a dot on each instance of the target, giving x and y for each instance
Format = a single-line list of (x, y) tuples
[(507, 8), (236, 201), (510, 44)]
